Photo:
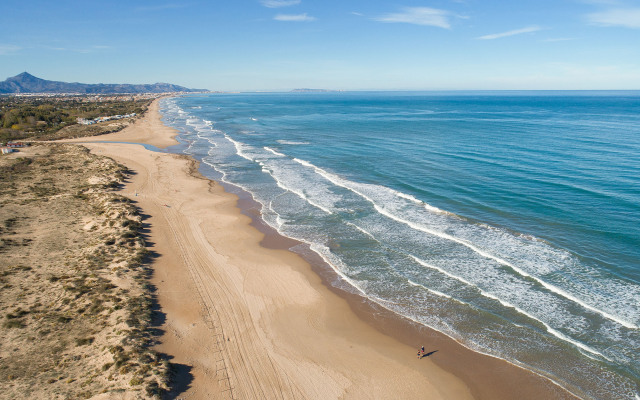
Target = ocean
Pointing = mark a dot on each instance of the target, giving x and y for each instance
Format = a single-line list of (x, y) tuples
[(509, 221)]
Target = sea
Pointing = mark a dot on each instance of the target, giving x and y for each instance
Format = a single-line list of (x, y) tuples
[(509, 221)]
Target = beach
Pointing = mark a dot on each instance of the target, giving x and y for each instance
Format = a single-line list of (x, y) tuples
[(242, 317)]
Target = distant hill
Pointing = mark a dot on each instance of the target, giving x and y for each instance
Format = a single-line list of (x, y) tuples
[(27, 83)]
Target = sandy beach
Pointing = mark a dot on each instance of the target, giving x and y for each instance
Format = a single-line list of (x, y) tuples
[(244, 320)]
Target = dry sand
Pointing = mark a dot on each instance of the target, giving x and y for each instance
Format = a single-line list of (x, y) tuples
[(246, 321)]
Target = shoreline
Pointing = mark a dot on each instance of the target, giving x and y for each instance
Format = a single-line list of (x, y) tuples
[(461, 372), (409, 331)]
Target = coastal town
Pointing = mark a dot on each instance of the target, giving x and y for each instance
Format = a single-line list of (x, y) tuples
[(87, 98)]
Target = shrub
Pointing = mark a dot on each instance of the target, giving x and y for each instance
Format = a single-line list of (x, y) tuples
[(13, 323), (84, 341)]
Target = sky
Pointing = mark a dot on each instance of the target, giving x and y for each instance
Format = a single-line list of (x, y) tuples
[(273, 45)]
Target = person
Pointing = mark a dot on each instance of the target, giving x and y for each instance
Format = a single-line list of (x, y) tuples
[(422, 349), (419, 355)]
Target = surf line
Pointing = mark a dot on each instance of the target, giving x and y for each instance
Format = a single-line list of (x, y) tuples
[(340, 182), (240, 151), (506, 304), (437, 293), (298, 193)]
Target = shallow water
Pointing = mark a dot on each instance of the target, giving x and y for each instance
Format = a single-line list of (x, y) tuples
[(509, 221)]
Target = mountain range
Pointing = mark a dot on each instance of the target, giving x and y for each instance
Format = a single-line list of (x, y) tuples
[(27, 83)]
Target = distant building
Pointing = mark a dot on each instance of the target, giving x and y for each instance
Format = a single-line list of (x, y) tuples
[(6, 150), (15, 145), (84, 121)]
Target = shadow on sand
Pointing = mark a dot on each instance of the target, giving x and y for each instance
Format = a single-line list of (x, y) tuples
[(180, 374), (428, 354)]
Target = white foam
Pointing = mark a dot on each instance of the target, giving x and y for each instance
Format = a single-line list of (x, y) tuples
[(279, 222), (291, 142), (351, 186), (437, 293), (269, 149), (308, 164), (363, 231), (411, 198), (377, 299), (447, 273), (208, 139), (239, 149), (408, 197)]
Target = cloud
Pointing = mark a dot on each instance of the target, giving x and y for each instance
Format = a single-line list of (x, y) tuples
[(294, 17), (419, 16), (279, 3), (528, 29), (8, 49), (628, 18)]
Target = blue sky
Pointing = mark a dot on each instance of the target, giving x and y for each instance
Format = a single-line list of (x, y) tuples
[(348, 44)]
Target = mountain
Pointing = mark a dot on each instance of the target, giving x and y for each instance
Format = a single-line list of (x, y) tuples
[(27, 83)]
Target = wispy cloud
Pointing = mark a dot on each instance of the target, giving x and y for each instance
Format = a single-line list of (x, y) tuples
[(294, 17), (528, 29), (279, 3), (628, 18), (419, 16), (8, 49)]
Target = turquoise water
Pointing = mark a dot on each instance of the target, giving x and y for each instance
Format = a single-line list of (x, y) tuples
[(509, 221)]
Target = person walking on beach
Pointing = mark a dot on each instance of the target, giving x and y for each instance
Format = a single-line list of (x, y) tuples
[(419, 355), (422, 349)]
